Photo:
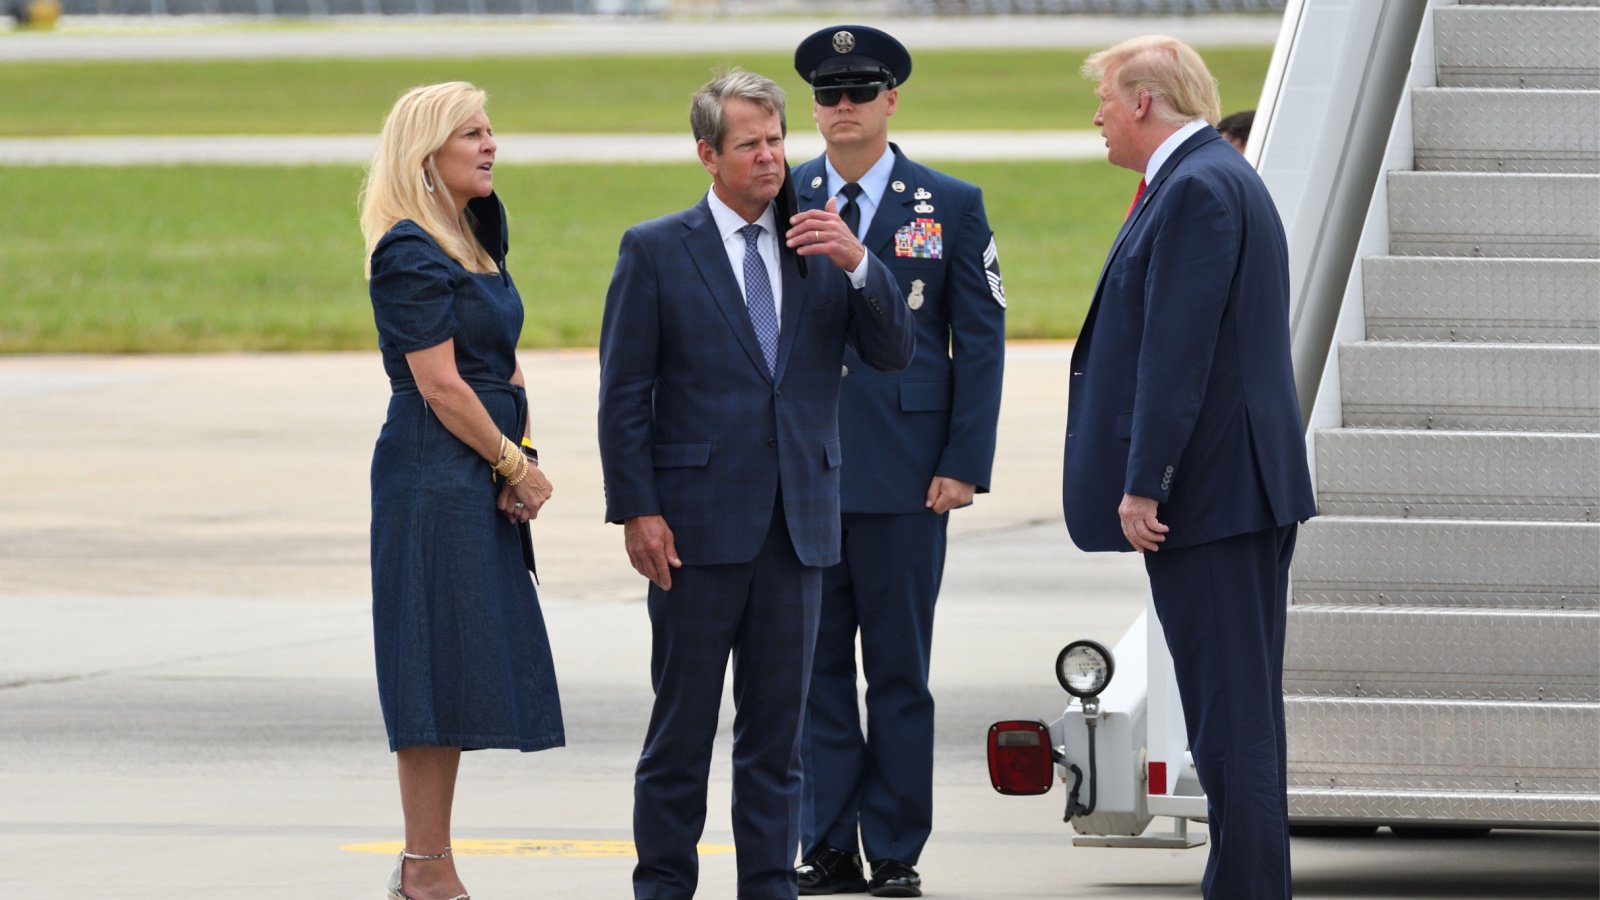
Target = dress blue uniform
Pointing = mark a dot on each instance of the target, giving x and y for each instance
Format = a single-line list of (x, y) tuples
[(1183, 393), (899, 431)]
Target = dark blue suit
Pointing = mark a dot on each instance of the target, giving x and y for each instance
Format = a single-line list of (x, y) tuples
[(1183, 392), (937, 417), (744, 466)]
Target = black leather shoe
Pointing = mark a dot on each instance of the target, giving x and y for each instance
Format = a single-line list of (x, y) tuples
[(831, 871), (892, 878)]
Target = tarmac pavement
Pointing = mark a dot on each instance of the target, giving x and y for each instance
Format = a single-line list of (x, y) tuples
[(187, 706)]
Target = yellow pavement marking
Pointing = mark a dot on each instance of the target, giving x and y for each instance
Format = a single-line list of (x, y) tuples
[(530, 847)]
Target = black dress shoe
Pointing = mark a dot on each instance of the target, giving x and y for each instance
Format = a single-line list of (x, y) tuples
[(892, 878), (831, 871)]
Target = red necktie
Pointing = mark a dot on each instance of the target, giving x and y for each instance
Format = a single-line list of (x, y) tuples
[(1136, 195)]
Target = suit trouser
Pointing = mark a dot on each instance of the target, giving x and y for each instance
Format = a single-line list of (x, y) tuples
[(764, 613), (1222, 607), (882, 783)]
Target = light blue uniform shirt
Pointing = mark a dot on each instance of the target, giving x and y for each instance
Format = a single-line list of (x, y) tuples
[(873, 184)]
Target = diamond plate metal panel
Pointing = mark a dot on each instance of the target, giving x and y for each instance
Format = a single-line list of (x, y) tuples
[(1443, 653), (1482, 214), (1443, 745), (1544, 48), (1530, 3), (1409, 298), (1309, 804), (1344, 561), (1458, 474), (1489, 130), (1483, 386)]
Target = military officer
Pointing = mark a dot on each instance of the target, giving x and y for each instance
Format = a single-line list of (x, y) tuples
[(916, 444)]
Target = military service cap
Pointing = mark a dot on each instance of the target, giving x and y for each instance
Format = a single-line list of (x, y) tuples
[(852, 54)]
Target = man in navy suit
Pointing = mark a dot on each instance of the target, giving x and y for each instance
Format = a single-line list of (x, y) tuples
[(1184, 438), (719, 440), (920, 443)]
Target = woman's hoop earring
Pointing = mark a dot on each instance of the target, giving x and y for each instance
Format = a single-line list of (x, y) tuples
[(427, 181)]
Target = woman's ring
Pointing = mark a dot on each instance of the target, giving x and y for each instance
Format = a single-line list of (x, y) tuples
[(519, 504)]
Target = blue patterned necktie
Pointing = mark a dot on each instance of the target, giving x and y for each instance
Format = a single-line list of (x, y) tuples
[(758, 298)]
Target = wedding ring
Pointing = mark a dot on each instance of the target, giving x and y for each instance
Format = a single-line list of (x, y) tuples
[(813, 235), (519, 505)]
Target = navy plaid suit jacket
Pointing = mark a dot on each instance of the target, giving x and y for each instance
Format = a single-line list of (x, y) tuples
[(692, 425)]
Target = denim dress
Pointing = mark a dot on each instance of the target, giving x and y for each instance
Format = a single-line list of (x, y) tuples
[(462, 654)]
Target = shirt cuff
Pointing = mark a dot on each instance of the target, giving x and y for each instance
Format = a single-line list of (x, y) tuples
[(858, 275)]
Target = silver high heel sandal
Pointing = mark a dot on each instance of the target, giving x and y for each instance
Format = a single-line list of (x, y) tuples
[(395, 893)]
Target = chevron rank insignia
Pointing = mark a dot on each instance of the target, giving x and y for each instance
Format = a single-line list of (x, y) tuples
[(991, 269)]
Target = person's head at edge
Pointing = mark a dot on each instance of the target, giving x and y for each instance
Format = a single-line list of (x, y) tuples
[(1149, 87), (738, 123), (435, 153), (1235, 128)]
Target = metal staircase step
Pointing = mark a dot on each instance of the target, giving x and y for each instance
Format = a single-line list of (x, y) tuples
[(1360, 561), (1509, 809), (1413, 298), (1506, 130), (1488, 214), (1530, 2), (1443, 653), (1458, 474), (1471, 386), (1483, 46), (1443, 745)]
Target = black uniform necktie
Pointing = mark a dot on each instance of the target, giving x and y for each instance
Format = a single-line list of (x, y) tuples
[(851, 214)]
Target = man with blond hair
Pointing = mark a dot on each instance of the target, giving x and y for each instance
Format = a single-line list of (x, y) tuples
[(1184, 437)]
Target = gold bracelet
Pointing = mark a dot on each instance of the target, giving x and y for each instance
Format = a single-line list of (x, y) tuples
[(509, 453), (521, 473)]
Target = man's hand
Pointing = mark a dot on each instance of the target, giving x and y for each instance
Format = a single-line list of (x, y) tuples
[(945, 494), (821, 232), (1139, 523), (651, 550)]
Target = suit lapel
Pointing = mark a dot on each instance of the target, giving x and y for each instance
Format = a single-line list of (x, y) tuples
[(704, 245), (894, 207), (1167, 168), (794, 298), (807, 196)]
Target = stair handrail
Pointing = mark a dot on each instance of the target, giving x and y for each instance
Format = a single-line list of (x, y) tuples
[(1338, 75)]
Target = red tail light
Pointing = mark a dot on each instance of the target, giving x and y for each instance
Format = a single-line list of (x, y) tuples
[(1156, 772), (1019, 758)]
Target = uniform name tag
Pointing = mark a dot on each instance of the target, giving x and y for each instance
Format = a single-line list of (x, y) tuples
[(920, 239)]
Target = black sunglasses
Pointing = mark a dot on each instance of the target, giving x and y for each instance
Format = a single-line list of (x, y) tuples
[(858, 93)]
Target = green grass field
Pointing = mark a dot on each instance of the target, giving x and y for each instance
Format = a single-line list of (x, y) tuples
[(158, 259), (993, 90)]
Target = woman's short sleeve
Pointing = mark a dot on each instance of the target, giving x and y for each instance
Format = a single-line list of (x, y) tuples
[(413, 301)]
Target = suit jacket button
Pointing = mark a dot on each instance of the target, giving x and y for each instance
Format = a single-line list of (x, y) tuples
[(843, 371), (772, 442)]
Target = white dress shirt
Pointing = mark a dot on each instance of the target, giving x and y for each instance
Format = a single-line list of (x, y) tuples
[(1168, 146)]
